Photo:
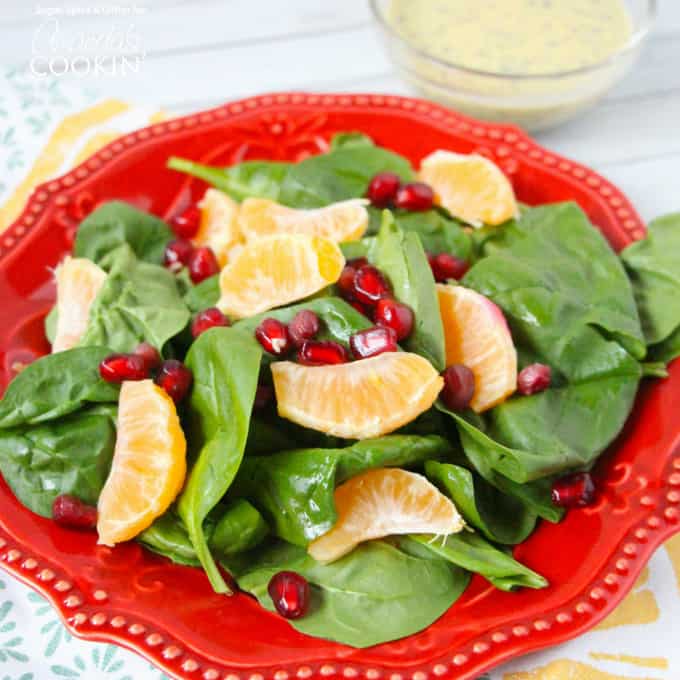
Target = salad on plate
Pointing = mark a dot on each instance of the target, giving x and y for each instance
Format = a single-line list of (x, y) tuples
[(341, 385)]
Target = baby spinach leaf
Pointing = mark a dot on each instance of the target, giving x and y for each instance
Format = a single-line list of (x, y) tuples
[(438, 233), (138, 302), (260, 179), (375, 594), (56, 385), (168, 537), (71, 455), (470, 551), (401, 257), (501, 518), (294, 489), (339, 175), (344, 140), (240, 528), (340, 319), (115, 223), (225, 363), (202, 295), (654, 268)]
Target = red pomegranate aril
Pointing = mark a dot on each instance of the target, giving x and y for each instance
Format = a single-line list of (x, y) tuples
[(574, 491), (175, 378), (69, 511), (263, 396), (187, 223), (373, 341), (290, 594), (150, 354), (304, 326), (208, 318), (383, 189), (202, 264), (322, 352), (273, 335), (116, 368), (346, 281), (415, 196), (394, 315), (534, 378), (370, 285), (361, 308), (459, 387), (178, 253), (446, 266)]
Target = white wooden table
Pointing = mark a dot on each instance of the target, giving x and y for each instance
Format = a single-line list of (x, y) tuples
[(203, 52)]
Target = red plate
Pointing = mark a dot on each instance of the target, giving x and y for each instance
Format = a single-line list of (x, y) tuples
[(168, 613)]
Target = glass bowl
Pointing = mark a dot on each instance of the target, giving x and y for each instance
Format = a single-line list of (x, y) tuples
[(534, 102)]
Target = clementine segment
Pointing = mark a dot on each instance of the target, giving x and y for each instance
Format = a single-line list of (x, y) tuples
[(276, 270), (476, 335), (79, 280), (219, 224), (470, 187), (381, 503), (149, 463), (357, 400), (343, 221)]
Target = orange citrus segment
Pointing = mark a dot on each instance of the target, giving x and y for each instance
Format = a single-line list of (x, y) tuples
[(79, 280), (149, 463), (471, 188), (219, 224), (381, 503), (358, 400), (476, 335), (276, 270), (343, 221)]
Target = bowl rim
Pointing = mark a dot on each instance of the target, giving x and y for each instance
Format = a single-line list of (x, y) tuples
[(636, 39)]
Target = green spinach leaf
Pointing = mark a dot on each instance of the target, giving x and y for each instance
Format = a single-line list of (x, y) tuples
[(239, 529), (56, 385), (294, 489), (375, 594), (71, 455), (115, 223), (472, 552), (501, 518), (438, 233), (260, 179), (344, 140), (138, 302), (401, 256), (654, 268), (203, 295), (225, 363)]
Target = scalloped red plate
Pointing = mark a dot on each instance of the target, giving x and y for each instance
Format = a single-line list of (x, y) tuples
[(169, 613)]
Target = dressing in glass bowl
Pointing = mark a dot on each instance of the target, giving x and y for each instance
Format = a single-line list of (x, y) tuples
[(532, 62)]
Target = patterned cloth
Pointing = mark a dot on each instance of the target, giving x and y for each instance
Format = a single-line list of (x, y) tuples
[(45, 128)]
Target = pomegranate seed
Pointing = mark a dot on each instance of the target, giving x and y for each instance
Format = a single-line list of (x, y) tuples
[(150, 354), (459, 387), (177, 254), (273, 335), (370, 285), (322, 352), (175, 378), (346, 281), (383, 188), (394, 315), (373, 341), (361, 308), (69, 511), (534, 378), (446, 266), (415, 196), (202, 264), (304, 326), (574, 491), (263, 396), (116, 368), (208, 318), (186, 224), (290, 594)]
